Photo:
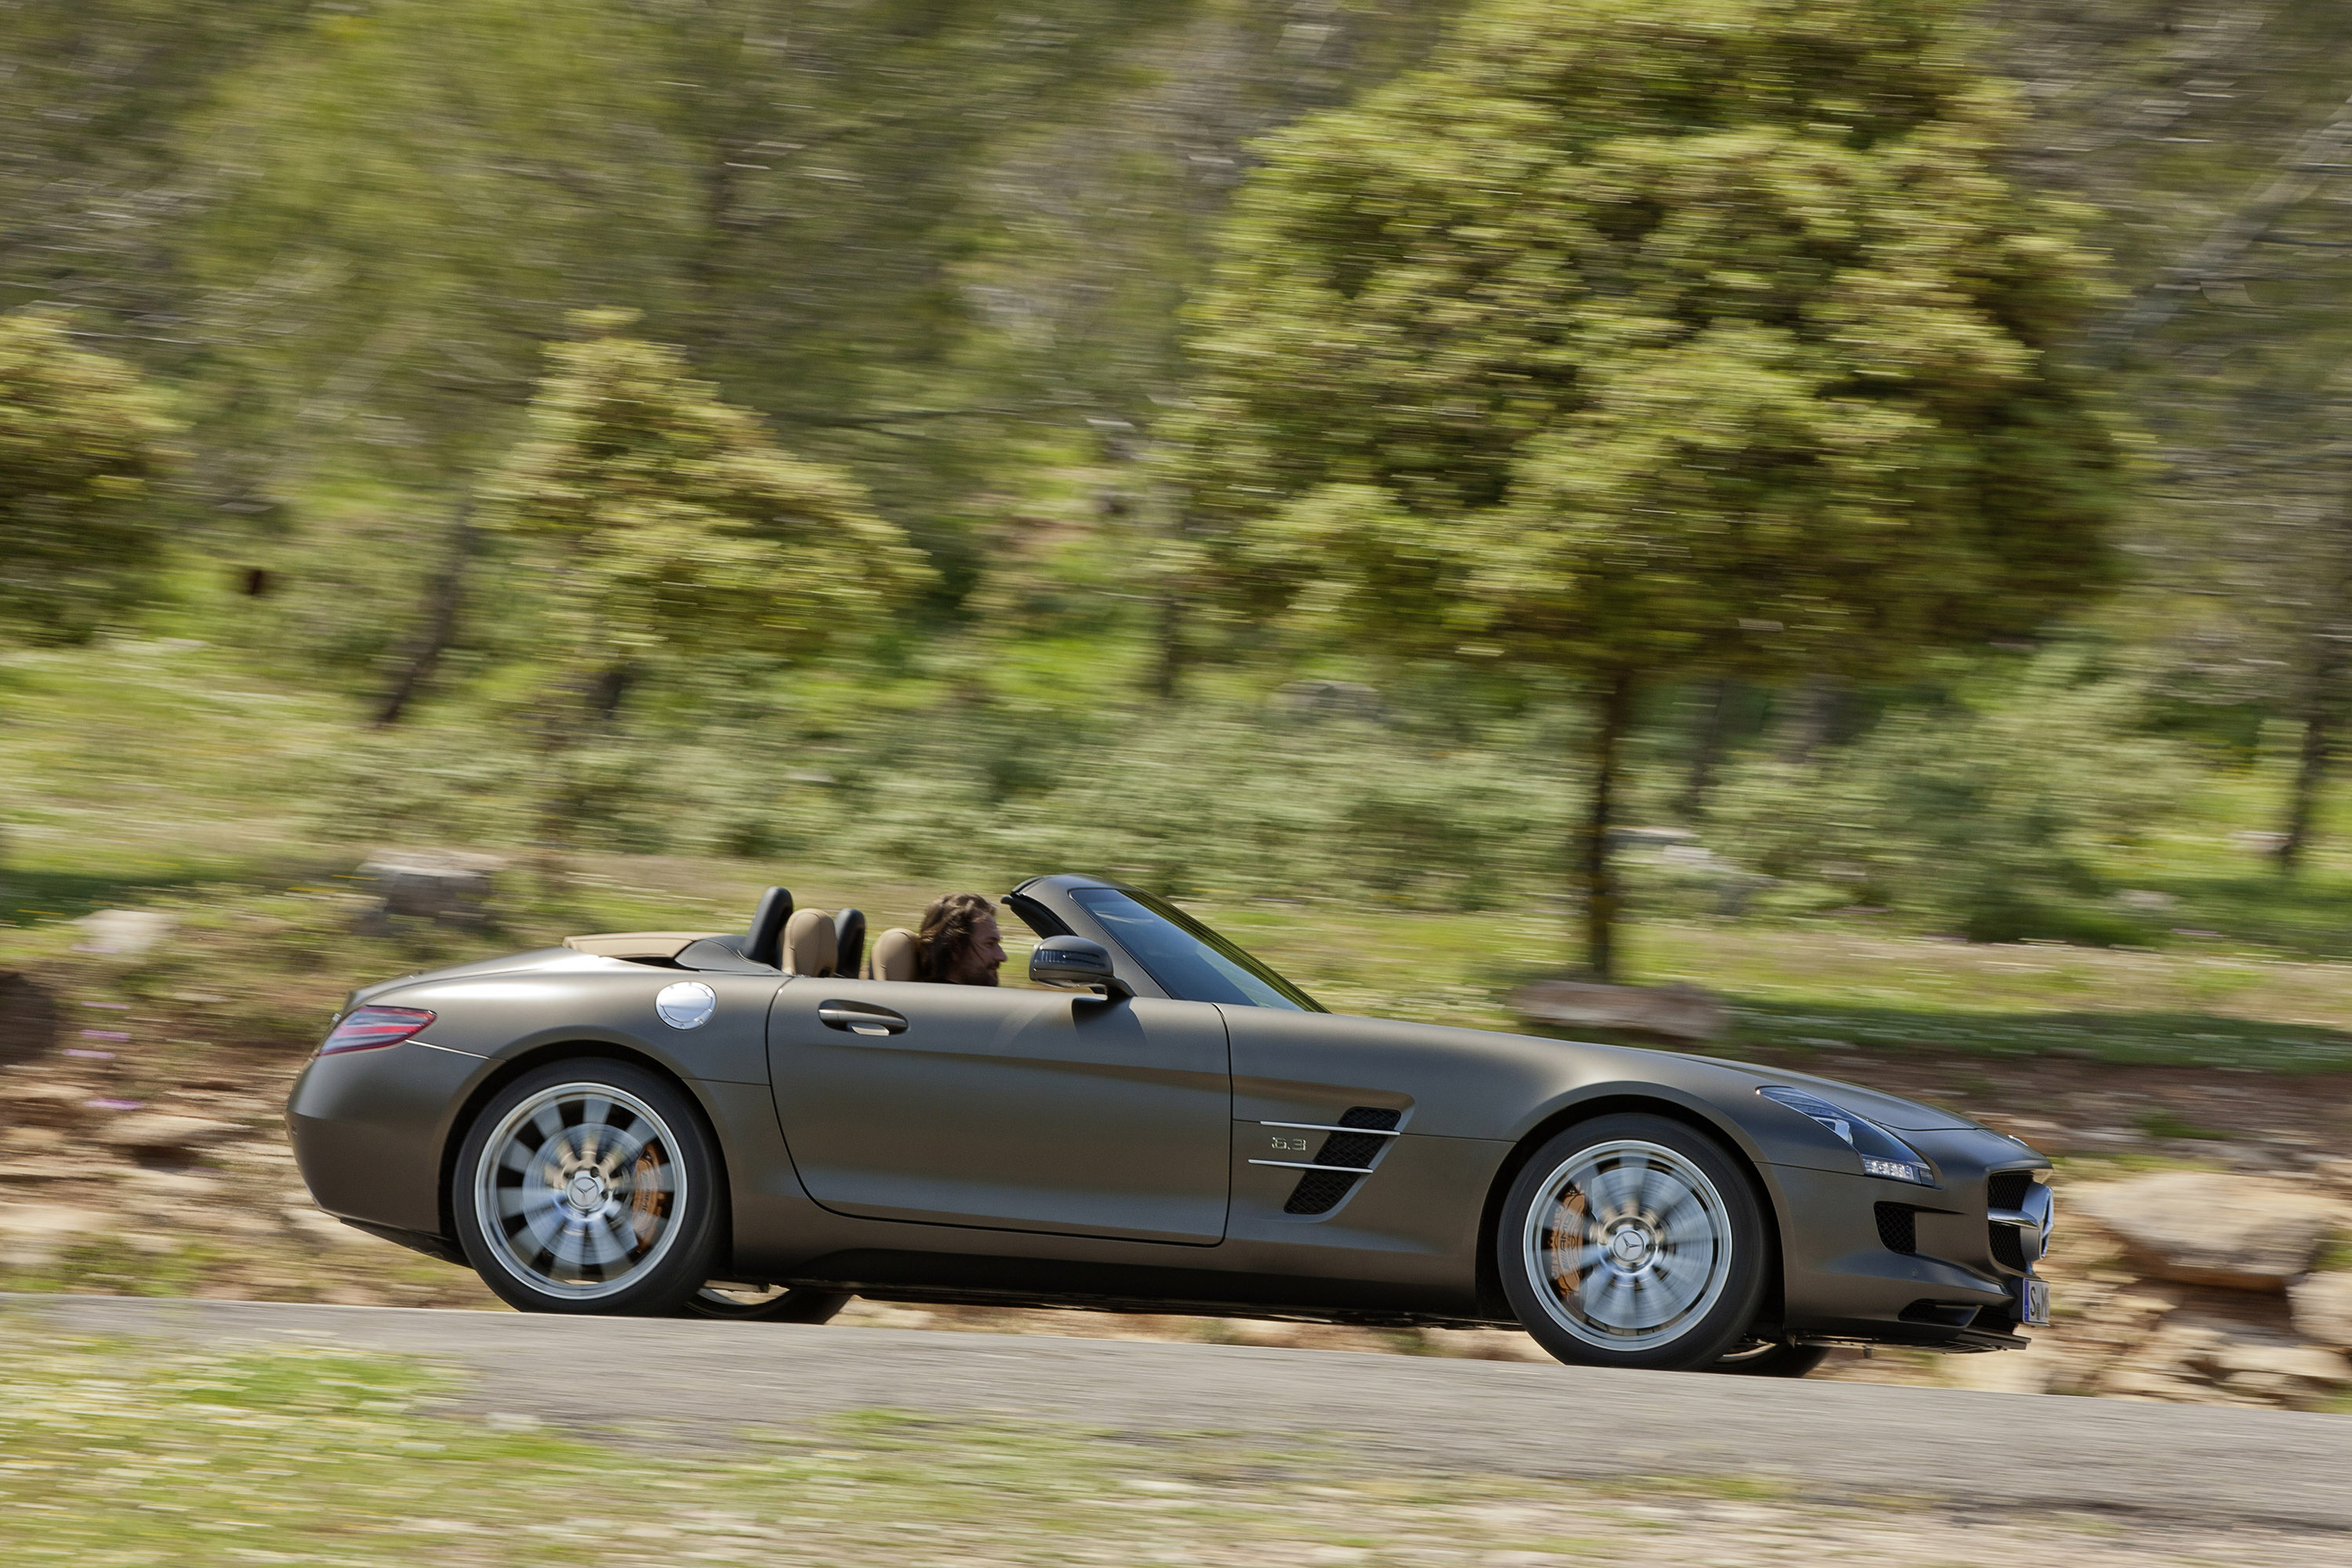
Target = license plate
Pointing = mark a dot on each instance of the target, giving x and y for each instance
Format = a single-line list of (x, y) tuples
[(2033, 1302)]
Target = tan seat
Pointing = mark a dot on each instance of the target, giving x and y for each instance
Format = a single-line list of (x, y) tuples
[(893, 957), (811, 944)]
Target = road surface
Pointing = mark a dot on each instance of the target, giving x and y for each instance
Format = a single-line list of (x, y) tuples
[(705, 1382)]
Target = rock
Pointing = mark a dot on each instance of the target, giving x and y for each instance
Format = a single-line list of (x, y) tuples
[(445, 885), (1659, 838), (2322, 1309), (1676, 1012), (28, 1019), (78, 1166), (2205, 1227), (32, 1235), (125, 933), (2285, 1363), (44, 1105), (155, 1134)]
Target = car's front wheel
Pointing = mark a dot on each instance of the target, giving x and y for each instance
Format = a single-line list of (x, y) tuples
[(772, 1304), (1633, 1240), (589, 1186)]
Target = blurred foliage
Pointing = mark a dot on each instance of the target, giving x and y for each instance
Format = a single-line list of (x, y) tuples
[(1746, 347), (1988, 816), (1695, 335), (664, 522), (81, 444)]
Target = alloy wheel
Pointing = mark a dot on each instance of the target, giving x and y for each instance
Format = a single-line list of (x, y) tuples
[(1629, 1244), (579, 1190)]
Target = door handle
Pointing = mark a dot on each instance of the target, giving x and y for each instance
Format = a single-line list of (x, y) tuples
[(859, 1018)]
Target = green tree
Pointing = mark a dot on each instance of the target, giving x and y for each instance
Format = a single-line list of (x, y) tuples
[(82, 443), (1669, 337), (671, 534)]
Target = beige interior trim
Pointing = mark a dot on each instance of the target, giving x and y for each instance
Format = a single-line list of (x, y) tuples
[(638, 943)]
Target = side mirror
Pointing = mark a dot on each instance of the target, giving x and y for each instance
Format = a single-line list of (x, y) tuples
[(1074, 961)]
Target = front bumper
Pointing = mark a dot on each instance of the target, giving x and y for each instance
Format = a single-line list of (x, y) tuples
[(1883, 1262)]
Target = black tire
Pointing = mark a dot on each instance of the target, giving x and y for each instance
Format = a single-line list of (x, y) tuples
[(1770, 1358), (620, 1209), (1663, 1233), (798, 1304)]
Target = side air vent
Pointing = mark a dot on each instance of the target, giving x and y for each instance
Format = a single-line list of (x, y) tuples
[(1319, 1192), (1898, 1227)]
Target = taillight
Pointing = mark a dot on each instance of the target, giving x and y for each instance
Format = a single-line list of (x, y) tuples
[(367, 1028)]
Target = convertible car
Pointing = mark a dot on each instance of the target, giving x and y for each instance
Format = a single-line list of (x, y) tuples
[(731, 1125)]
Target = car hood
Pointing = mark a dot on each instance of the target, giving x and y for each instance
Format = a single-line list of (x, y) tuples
[(1886, 1110)]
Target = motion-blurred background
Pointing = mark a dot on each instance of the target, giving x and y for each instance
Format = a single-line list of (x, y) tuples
[(1843, 505)]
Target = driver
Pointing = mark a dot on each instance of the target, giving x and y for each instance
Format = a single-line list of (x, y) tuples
[(959, 944)]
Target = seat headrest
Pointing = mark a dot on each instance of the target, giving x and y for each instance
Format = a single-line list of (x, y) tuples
[(809, 943), (894, 955)]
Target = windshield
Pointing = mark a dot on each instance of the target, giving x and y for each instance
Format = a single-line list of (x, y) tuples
[(1188, 959)]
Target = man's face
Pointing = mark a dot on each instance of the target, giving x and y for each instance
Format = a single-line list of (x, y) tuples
[(988, 942)]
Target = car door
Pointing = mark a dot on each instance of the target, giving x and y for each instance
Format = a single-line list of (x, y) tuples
[(1018, 1109)]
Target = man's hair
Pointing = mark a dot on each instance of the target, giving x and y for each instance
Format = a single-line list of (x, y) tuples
[(948, 947)]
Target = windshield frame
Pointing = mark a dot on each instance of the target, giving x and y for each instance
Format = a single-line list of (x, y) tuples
[(1224, 946)]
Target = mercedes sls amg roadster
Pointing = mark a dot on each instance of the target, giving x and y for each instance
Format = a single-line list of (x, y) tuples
[(763, 1124)]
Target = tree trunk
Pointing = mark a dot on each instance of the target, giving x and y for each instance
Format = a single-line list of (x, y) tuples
[(1820, 702), (1604, 898), (443, 599), (1167, 668), (2322, 698), (2310, 775), (1707, 747)]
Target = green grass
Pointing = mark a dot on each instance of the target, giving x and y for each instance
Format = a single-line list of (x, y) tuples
[(2162, 1124), (121, 1453)]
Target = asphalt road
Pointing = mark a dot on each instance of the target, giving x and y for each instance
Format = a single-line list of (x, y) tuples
[(705, 1382)]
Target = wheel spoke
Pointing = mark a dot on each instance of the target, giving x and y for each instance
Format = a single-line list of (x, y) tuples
[(1600, 1293), (1646, 1178)]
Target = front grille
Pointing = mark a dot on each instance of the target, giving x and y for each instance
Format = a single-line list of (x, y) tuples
[(2007, 1190), (1319, 1192), (1898, 1227)]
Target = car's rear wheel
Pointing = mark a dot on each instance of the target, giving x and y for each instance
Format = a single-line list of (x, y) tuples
[(772, 1304), (589, 1186), (1633, 1240), (1770, 1358)]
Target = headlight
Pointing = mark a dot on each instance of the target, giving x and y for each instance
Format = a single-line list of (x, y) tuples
[(1883, 1153)]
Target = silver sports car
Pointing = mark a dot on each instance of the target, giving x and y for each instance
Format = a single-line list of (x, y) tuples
[(732, 1125)]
